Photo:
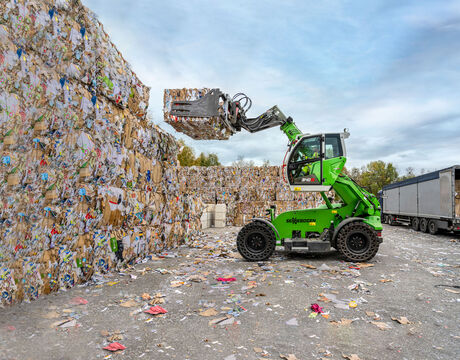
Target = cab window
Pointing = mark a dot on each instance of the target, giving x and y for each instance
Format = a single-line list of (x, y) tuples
[(309, 148), (304, 160), (333, 146)]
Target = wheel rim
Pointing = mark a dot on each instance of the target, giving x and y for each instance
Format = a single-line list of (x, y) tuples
[(358, 243), (256, 242), (423, 225)]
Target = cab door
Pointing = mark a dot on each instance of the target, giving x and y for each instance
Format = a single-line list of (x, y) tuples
[(310, 158)]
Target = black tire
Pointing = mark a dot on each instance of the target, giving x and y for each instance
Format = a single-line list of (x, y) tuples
[(357, 242), (433, 227), (415, 224), (256, 241), (423, 225)]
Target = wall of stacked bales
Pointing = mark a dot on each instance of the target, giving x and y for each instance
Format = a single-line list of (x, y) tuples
[(87, 183), (247, 191)]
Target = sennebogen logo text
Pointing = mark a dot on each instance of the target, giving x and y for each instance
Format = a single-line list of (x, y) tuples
[(297, 221)]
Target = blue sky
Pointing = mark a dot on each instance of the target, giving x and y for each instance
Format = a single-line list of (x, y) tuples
[(387, 70)]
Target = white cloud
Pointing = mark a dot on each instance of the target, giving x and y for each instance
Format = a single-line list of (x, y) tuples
[(395, 84)]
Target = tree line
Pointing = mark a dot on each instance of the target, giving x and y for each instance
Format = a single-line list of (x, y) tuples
[(377, 174), (187, 157)]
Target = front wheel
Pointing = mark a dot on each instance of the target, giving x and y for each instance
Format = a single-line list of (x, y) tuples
[(357, 241), (256, 241)]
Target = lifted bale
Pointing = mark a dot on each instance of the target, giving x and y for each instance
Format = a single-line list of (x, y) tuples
[(201, 120)]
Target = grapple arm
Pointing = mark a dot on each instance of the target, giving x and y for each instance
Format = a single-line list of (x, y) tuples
[(206, 106), (232, 113)]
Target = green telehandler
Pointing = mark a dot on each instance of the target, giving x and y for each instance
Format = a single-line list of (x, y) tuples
[(313, 163)]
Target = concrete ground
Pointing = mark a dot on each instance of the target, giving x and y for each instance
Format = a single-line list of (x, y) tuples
[(264, 314)]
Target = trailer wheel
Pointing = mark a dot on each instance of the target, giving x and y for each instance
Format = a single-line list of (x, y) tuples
[(415, 224), (391, 220), (357, 241), (256, 241), (433, 227), (423, 225)]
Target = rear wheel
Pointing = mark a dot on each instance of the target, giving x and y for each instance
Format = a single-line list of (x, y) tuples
[(415, 224), (256, 241), (391, 220), (357, 242), (424, 225), (433, 227)]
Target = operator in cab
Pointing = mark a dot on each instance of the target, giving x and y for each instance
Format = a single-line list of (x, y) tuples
[(311, 153)]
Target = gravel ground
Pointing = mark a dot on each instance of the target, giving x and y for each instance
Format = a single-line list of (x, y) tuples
[(264, 314)]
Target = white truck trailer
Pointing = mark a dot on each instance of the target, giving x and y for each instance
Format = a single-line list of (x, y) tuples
[(428, 203)]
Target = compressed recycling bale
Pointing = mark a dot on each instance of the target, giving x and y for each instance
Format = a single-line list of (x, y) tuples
[(90, 183), (219, 223), (198, 128), (246, 191)]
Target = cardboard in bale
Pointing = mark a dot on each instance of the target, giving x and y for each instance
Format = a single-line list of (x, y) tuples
[(247, 191), (87, 182)]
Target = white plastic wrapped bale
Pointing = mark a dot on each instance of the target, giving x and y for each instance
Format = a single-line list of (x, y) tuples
[(198, 128)]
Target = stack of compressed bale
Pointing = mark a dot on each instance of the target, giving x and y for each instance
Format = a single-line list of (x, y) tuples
[(246, 191), (198, 128), (87, 182)]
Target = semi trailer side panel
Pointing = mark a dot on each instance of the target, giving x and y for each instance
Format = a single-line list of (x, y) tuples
[(435, 195), (391, 201), (429, 203), (447, 193), (457, 193), (408, 200)]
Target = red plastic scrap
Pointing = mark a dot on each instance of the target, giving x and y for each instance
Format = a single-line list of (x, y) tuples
[(155, 310), (354, 267), (18, 247), (316, 308), (115, 346), (78, 301), (226, 279)]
